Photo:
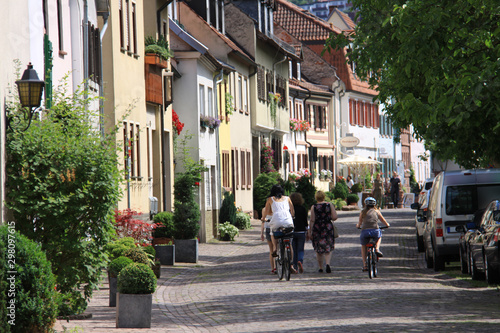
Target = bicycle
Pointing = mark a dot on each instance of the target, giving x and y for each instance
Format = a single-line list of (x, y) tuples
[(371, 256), (284, 252)]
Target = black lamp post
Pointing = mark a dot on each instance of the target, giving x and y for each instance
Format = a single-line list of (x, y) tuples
[(30, 90)]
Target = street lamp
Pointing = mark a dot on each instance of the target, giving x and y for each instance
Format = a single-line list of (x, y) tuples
[(30, 90)]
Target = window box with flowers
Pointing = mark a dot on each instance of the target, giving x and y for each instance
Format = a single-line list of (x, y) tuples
[(297, 125), (208, 122), (325, 175)]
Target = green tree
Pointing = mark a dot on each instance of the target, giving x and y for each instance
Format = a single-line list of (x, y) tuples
[(228, 209), (63, 183), (435, 65), (262, 189)]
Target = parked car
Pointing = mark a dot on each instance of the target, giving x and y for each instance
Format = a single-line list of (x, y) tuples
[(484, 246), (455, 197), (467, 232), (421, 216)]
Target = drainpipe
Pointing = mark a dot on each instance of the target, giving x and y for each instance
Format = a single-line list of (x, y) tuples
[(86, 48), (105, 17), (218, 79)]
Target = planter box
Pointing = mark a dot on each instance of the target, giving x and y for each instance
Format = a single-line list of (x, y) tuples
[(112, 291), (186, 250), (134, 310), (166, 254)]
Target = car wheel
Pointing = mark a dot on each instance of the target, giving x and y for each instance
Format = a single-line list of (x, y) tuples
[(491, 276), (438, 261), (474, 271), (428, 259), (464, 266), (420, 243)]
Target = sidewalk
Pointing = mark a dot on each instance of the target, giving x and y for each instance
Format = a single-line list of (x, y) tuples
[(210, 254)]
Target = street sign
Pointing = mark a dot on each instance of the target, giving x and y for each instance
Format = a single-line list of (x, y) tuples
[(349, 141)]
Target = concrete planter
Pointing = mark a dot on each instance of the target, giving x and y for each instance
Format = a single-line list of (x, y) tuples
[(112, 291), (186, 250), (166, 254), (133, 310)]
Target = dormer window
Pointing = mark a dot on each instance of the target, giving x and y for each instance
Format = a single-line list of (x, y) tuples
[(266, 9), (212, 11)]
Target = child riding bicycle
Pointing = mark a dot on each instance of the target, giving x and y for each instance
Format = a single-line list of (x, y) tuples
[(368, 222)]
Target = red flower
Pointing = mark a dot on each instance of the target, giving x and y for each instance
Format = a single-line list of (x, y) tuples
[(197, 183)]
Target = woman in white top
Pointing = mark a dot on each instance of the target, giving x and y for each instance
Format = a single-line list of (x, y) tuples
[(281, 208)]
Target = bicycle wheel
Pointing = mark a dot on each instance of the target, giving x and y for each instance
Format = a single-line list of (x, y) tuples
[(279, 260), (374, 265), (369, 262), (286, 262)]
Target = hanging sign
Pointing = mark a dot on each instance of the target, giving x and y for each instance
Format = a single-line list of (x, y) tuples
[(349, 141)]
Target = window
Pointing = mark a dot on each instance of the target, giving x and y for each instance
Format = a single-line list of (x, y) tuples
[(210, 106), (127, 23), (261, 83), (134, 28), (202, 99), (122, 34), (239, 92), (245, 95), (208, 189), (138, 149), (319, 117), (225, 169), (243, 166), (60, 27), (149, 152), (132, 149), (236, 182), (249, 170)]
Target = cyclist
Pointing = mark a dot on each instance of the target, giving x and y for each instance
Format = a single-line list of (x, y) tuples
[(368, 222), (281, 208)]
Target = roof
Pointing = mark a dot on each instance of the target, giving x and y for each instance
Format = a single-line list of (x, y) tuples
[(315, 88), (301, 23)]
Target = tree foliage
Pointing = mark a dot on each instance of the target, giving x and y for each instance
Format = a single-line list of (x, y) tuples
[(63, 183), (435, 65)]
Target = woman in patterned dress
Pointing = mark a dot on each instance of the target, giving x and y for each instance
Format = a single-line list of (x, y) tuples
[(321, 230)]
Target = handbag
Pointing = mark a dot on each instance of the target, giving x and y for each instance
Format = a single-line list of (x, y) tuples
[(335, 231)]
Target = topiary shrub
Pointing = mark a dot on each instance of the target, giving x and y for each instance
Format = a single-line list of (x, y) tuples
[(136, 278), (228, 209), (352, 198), (341, 190), (32, 286), (307, 189), (262, 189), (186, 209), (357, 188), (242, 221), (116, 265), (339, 203), (165, 225), (137, 255), (227, 231), (116, 248)]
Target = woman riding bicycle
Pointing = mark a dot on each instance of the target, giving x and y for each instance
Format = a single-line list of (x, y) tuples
[(368, 222), (281, 209)]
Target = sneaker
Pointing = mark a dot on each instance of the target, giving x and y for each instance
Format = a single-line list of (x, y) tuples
[(293, 270), (320, 270), (301, 269), (379, 254), (275, 254), (328, 269), (273, 271)]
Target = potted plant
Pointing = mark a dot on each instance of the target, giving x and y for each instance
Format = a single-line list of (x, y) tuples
[(114, 268), (136, 285), (157, 51), (186, 218), (227, 231), (165, 253), (164, 228)]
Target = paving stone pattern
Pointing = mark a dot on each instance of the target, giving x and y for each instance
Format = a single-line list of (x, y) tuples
[(231, 289)]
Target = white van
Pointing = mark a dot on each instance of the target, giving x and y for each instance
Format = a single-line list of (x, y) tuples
[(455, 196)]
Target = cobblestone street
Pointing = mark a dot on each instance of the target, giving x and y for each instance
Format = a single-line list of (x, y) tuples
[(231, 289)]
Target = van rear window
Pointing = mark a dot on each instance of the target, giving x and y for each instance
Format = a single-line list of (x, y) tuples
[(462, 200)]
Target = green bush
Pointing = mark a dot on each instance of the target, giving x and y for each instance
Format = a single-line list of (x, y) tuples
[(307, 189), (242, 221), (357, 188), (32, 287), (227, 231), (116, 248), (341, 190), (117, 265), (262, 189), (137, 255), (339, 203), (165, 226), (186, 209), (136, 278), (352, 198), (150, 251), (330, 196), (228, 209)]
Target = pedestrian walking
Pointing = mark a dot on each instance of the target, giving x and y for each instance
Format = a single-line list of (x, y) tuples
[(349, 182), (395, 181), (377, 190), (300, 229), (321, 230)]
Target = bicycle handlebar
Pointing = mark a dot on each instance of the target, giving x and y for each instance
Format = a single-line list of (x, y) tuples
[(382, 227)]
